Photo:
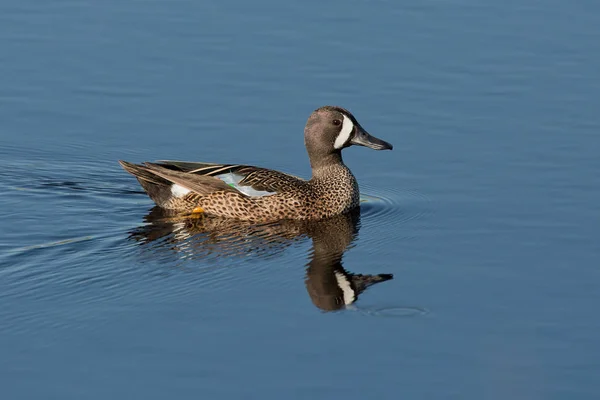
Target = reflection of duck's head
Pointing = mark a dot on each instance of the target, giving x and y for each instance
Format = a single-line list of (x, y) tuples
[(332, 288), (329, 285)]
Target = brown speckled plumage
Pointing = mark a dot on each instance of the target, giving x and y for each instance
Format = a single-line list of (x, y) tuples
[(332, 190)]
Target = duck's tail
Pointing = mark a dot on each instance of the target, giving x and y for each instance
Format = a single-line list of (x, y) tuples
[(157, 188), (168, 187)]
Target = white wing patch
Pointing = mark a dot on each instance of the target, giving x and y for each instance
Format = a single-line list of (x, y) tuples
[(344, 284), (179, 191), (344, 135), (234, 180)]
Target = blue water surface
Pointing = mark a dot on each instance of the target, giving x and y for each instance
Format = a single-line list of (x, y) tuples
[(487, 211)]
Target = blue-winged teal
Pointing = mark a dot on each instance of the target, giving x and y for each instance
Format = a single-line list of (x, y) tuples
[(258, 194)]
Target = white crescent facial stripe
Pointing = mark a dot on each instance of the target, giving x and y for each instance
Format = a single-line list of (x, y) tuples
[(179, 191), (344, 136), (347, 290)]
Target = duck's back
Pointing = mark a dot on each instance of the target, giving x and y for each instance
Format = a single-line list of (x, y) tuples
[(331, 191)]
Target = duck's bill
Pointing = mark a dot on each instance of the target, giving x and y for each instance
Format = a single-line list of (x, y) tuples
[(362, 138)]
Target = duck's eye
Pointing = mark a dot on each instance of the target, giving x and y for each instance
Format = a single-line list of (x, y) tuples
[(337, 122)]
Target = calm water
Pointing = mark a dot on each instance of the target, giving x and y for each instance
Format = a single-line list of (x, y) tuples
[(486, 212)]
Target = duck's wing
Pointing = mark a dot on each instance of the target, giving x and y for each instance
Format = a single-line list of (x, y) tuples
[(162, 177), (251, 180)]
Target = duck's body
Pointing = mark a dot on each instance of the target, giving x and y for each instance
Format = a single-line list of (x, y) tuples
[(258, 194)]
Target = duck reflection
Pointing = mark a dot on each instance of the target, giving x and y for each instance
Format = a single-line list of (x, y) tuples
[(330, 286)]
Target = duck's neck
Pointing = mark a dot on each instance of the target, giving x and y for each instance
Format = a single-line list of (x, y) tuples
[(332, 169), (325, 162), (335, 188)]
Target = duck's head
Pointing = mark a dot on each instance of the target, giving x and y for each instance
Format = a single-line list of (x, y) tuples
[(330, 129)]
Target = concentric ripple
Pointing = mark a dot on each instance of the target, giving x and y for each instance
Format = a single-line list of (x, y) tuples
[(392, 312), (390, 204)]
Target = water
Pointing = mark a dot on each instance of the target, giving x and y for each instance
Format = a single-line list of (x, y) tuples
[(486, 212)]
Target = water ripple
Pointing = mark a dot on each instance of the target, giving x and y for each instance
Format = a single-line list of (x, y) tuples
[(403, 205), (389, 210), (392, 312)]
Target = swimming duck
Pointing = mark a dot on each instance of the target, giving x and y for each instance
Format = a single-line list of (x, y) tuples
[(258, 194)]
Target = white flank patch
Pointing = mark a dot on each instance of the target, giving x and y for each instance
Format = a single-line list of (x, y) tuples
[(344, 284), (179, 191), (344, 135), (234, 181)]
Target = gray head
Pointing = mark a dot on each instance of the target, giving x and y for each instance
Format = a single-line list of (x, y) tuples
[(330, 129)]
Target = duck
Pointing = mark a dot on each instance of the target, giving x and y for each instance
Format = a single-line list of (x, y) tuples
[(257, 194)]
